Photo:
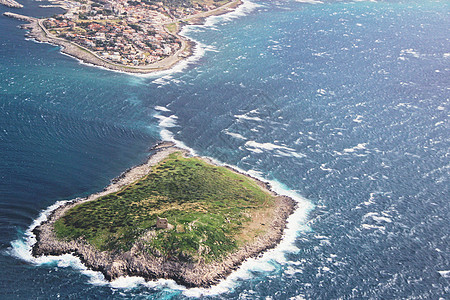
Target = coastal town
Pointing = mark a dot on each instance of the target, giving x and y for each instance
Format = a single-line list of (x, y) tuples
[(130, 35)]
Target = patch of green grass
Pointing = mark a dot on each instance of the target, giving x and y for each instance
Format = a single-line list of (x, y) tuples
[(208, 206), (172, 27)]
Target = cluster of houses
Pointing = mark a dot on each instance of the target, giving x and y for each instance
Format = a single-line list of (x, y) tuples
[(129, 32), (117, 41)]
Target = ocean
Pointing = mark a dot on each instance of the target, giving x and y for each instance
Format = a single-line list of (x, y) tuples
[(343, 105)]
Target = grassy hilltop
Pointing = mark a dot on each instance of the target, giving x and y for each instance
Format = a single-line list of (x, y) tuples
[(213, 210)]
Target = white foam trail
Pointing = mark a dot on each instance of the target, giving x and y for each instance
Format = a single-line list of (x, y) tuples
[(376, 217), (22, 249), (197, 53), (267, 146), (361, 146), (244, 9), (445, 273), (166, 135), (246, 117), (279, 150), (167, 122), (267, 262), (358, 119), (162, 108), (234, 134), (310, 1), (296, 224), (200, 49), (368, 227)]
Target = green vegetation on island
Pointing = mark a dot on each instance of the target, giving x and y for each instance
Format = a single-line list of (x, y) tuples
[(211, 211)]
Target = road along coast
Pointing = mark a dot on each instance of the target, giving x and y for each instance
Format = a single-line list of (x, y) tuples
[(40, 33), (137, 261)]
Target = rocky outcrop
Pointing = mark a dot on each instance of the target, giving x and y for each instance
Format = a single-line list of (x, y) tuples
[(19, 17), (11, 3), (137, 262)]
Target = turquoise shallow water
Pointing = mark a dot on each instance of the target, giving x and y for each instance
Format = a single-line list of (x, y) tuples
[(343, 103)]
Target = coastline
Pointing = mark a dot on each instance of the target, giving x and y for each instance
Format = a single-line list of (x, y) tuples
[(38, 32), (136, 263), (11, 3)]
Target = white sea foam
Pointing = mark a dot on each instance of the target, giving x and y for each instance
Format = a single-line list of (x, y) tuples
[(197, 53), (323, 168), (244, 9), (200, 49), (371, 199), (445, 273), (321, 92), (255, 150), (247, 117), (235, 135), (166, 122), (162, 108), (358, 119), (266, 263), (405, 54), (368, 227), (292, 271), (267, 146), (360, 146), (256, 147), (376, 217), (298, 297), (310, 1), (22, 249), (296, 224), (269, 260), (76, 58)]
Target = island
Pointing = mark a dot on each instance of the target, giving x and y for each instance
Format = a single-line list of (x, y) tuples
[(134, 36), (176, 216)]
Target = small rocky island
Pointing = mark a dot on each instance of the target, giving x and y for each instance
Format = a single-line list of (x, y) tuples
[(176, 217)]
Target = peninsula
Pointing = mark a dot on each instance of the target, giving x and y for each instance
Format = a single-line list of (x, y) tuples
[(175, 216), (135, 36)]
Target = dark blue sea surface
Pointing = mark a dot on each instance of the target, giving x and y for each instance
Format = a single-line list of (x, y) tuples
[(343, 104)]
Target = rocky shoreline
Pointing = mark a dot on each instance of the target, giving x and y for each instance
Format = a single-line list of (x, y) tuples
[(11, 3), (19, 17), (139, 263), (38, 32)]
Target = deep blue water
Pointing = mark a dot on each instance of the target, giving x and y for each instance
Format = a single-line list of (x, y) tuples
[(345, 103)]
